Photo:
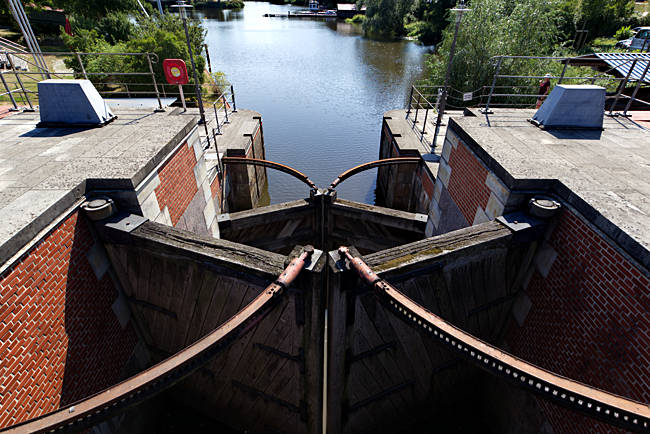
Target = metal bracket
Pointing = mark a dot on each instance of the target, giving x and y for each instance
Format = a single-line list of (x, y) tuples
[(524, 227), (116, 229)]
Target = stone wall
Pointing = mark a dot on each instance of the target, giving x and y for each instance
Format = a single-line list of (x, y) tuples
[(180, 192), (64, 330)]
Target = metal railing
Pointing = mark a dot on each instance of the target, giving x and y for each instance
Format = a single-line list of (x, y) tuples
[(225, 103), (507, 94), (108, 83), (419, 105)]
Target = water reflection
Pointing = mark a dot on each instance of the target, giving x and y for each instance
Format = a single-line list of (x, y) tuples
[(321, 88)]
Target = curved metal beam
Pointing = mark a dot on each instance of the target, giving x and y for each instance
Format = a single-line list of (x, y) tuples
[(165, 374), (362, 167), (595, 403), (271, 165)]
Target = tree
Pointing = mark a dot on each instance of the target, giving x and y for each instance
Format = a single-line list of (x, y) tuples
[(492, 28)]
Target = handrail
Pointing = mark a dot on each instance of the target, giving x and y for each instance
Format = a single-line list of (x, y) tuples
[(498, 61), (595, 403), (148, 72), (271, 165), (142, 386), (362, 167)]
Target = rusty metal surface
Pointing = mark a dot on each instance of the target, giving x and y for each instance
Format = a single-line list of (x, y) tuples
[(271, 165), (149, 382), (613, 409), (365, 166)]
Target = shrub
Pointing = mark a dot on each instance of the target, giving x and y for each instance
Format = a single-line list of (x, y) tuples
[(624, 32), (357, 19)]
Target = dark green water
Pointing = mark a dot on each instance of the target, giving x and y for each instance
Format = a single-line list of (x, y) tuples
[(321, 89)]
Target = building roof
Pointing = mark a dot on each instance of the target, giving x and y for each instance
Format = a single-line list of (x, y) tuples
[(617, 64), (604, 173)]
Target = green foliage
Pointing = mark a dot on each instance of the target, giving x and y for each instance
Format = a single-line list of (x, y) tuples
[(491, 28), (162, 35), (96, 9), (357, 19), (624, 32), (598, 17), (385, 18)]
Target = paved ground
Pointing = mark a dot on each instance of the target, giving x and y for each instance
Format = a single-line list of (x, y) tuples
[(43, 171), (609, 169), (409, 133)]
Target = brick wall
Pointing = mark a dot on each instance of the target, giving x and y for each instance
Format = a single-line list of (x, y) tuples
[(179, 192), (467, 182), (177, 184), (466, 193), (59, 338), (589, 320)]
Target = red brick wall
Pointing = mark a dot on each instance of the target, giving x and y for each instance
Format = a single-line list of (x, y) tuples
[(215, 188), (59, 338), (467, 182), (177, 182), (590, 320)]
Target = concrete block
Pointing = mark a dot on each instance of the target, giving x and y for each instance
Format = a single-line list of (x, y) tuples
[(150, 207), (209, 213), (147, 187), (121, 310), (434, 213), (428, 230), (521, 308), (207, 192), (446, 150), (494, 207), (574, 106), (444, 173), (214, 228), (453, 138), (98, 260), (544, 259), (194, 141), (497, 187), (437, 191), (74, 102), (200, 173), (480, 216)]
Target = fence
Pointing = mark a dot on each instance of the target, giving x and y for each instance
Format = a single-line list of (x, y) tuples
[(520, 91)]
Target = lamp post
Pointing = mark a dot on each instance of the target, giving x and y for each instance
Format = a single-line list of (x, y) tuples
[(459, 10), (180, 4)]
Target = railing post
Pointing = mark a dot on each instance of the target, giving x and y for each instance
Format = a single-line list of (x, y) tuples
[(20, 82), (622, 86), (408, 104), (207, 55), (417, 107), (636, 89), (486, 110), (9, 92), (563, 71), (225, 108), (155, 85), (234, 104), (216, 117), (424, 124), (216, 148), (83, 70)]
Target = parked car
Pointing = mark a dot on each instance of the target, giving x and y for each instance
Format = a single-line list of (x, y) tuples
[(624, 43), (639, 42)]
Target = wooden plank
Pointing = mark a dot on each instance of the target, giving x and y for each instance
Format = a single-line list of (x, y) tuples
[(163, 240), (382, 216), (238, 221)]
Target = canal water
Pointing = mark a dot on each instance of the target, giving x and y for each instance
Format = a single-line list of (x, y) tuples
[(321, 89)]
